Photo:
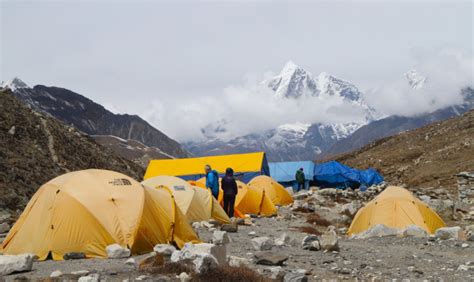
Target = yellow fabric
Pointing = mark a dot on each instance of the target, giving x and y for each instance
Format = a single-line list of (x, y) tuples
[(274, 190), (194, 166), (195, 203), (249, 201), (396, 207), (84, 211)]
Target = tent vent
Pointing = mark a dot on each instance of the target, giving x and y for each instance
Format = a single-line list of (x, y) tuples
[(57, 191)]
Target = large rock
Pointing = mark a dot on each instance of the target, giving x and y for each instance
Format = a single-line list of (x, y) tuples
[(283, 240), (295, 277), (329, 241), (220, 238), (414, 231), (191, 251), (74, 255), (444, 208), (262, 243), (237, 261), (116, 251), (302, 195), (56, 274), (311, 242), (204, 263), (164, 249), (350, 209), (446, 233), (277, 273), (379, 230), (270, 258), (4, 227), (231, 228), (19, 263)]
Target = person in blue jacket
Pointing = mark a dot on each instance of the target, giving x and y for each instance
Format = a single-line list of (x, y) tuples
[(212, 181)]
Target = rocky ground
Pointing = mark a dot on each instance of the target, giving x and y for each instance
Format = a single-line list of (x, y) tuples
[(380, 258)]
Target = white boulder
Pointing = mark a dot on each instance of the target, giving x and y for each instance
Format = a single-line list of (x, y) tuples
[(15, 263), (56, 274), (378, 230), (262, 243), (283, 240), (237, 261), (220, 238), (164, 249), (116, 251), (204, 263), (191, 251), (414, 231), (446, 233)]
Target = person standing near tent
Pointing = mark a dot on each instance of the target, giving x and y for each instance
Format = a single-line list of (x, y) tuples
[(212, 181), (229, 185), (300, 179)]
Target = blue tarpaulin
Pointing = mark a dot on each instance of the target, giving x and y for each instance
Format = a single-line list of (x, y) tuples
[(284, 172), (335, 174)]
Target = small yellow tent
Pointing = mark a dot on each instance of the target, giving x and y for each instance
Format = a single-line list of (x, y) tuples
[(196, 203), (245, 166), (248, 201), (274, 190), (84, 211), (396, 207)]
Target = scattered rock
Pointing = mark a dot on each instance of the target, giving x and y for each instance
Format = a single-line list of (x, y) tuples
[(74, 255), (446, 233), (190, 251), (284, 239), (329, 241), (204, 263), (80, 272), (15, 263), (414, 231), (231, 228), (196, 225), (56, 274), (4, 227), (270, 258), (116, 251), (378, 230), (262, 243), (130, 261), (142, 277), (277, 273), (164, 249), (252, 234), (184, 277), (311, 242), (220, 238), (237, 261), (295, 277), (89, 278), (350, 209)]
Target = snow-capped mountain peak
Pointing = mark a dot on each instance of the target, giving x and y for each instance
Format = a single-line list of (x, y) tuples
[(415, 79), (330, 85), (292, 82), (14, 84)]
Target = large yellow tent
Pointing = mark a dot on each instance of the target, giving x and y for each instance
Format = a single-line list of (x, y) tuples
[(245, 166), (196, 203), (248, 201), (85, 211), (398, 208), (274, 190)]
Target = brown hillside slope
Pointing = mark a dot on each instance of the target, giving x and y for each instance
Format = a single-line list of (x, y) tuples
[(35, 148), (426, 157)]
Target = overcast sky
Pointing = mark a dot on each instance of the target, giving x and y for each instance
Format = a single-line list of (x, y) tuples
[(132, 55)]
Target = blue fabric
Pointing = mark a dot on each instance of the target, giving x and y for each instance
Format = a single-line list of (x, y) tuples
[(285, 171), (212, 182), (337, 175)]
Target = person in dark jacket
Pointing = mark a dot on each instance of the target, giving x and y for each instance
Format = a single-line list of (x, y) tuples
[(229, 185), (300, 179)]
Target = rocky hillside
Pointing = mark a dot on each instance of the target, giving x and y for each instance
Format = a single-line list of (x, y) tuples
[(426, 157), (92, 118), (35, 148)]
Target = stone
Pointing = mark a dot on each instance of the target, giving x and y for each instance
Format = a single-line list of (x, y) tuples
[(80, 272), (184, 277), (231, 228), (295, 277), (164, 249), (206, 224), (270, 258), (277, 273), (262, 243), (56, 274), (301, 195), (220, 238), (4, 227), (130, 261), (196, 225), (237, 261), (379, 230), (142, 277), (444, 208), (190, 251), (311, 242), (350, 209), (116, 251), (204, 263), (414, 231), (74, 255), (446, 233), (15, 263), (283, 240), (329, 241), (89, 278), (252, 234)]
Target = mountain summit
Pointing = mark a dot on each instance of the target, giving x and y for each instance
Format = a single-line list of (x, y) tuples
[(293, 82), (14, 84)]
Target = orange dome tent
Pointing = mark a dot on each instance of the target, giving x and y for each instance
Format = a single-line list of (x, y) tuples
[(274, 190)]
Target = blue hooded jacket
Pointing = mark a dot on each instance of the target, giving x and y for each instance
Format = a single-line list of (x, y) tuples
[(212, 182)]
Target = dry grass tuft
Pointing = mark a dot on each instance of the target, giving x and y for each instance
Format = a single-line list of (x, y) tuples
[(315, 218), (301, 209), (308, 230), (168, 268), (229, 274)]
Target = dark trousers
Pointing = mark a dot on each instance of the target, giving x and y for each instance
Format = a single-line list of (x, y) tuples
[(300, 186), (229, 202)]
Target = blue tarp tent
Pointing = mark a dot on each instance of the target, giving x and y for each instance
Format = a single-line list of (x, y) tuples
[(284, 172), (337, 175)]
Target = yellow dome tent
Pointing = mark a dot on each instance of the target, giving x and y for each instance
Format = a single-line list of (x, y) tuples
[(274, 190), (248, 201), (85, 211), (396, 207), (196, 203)]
